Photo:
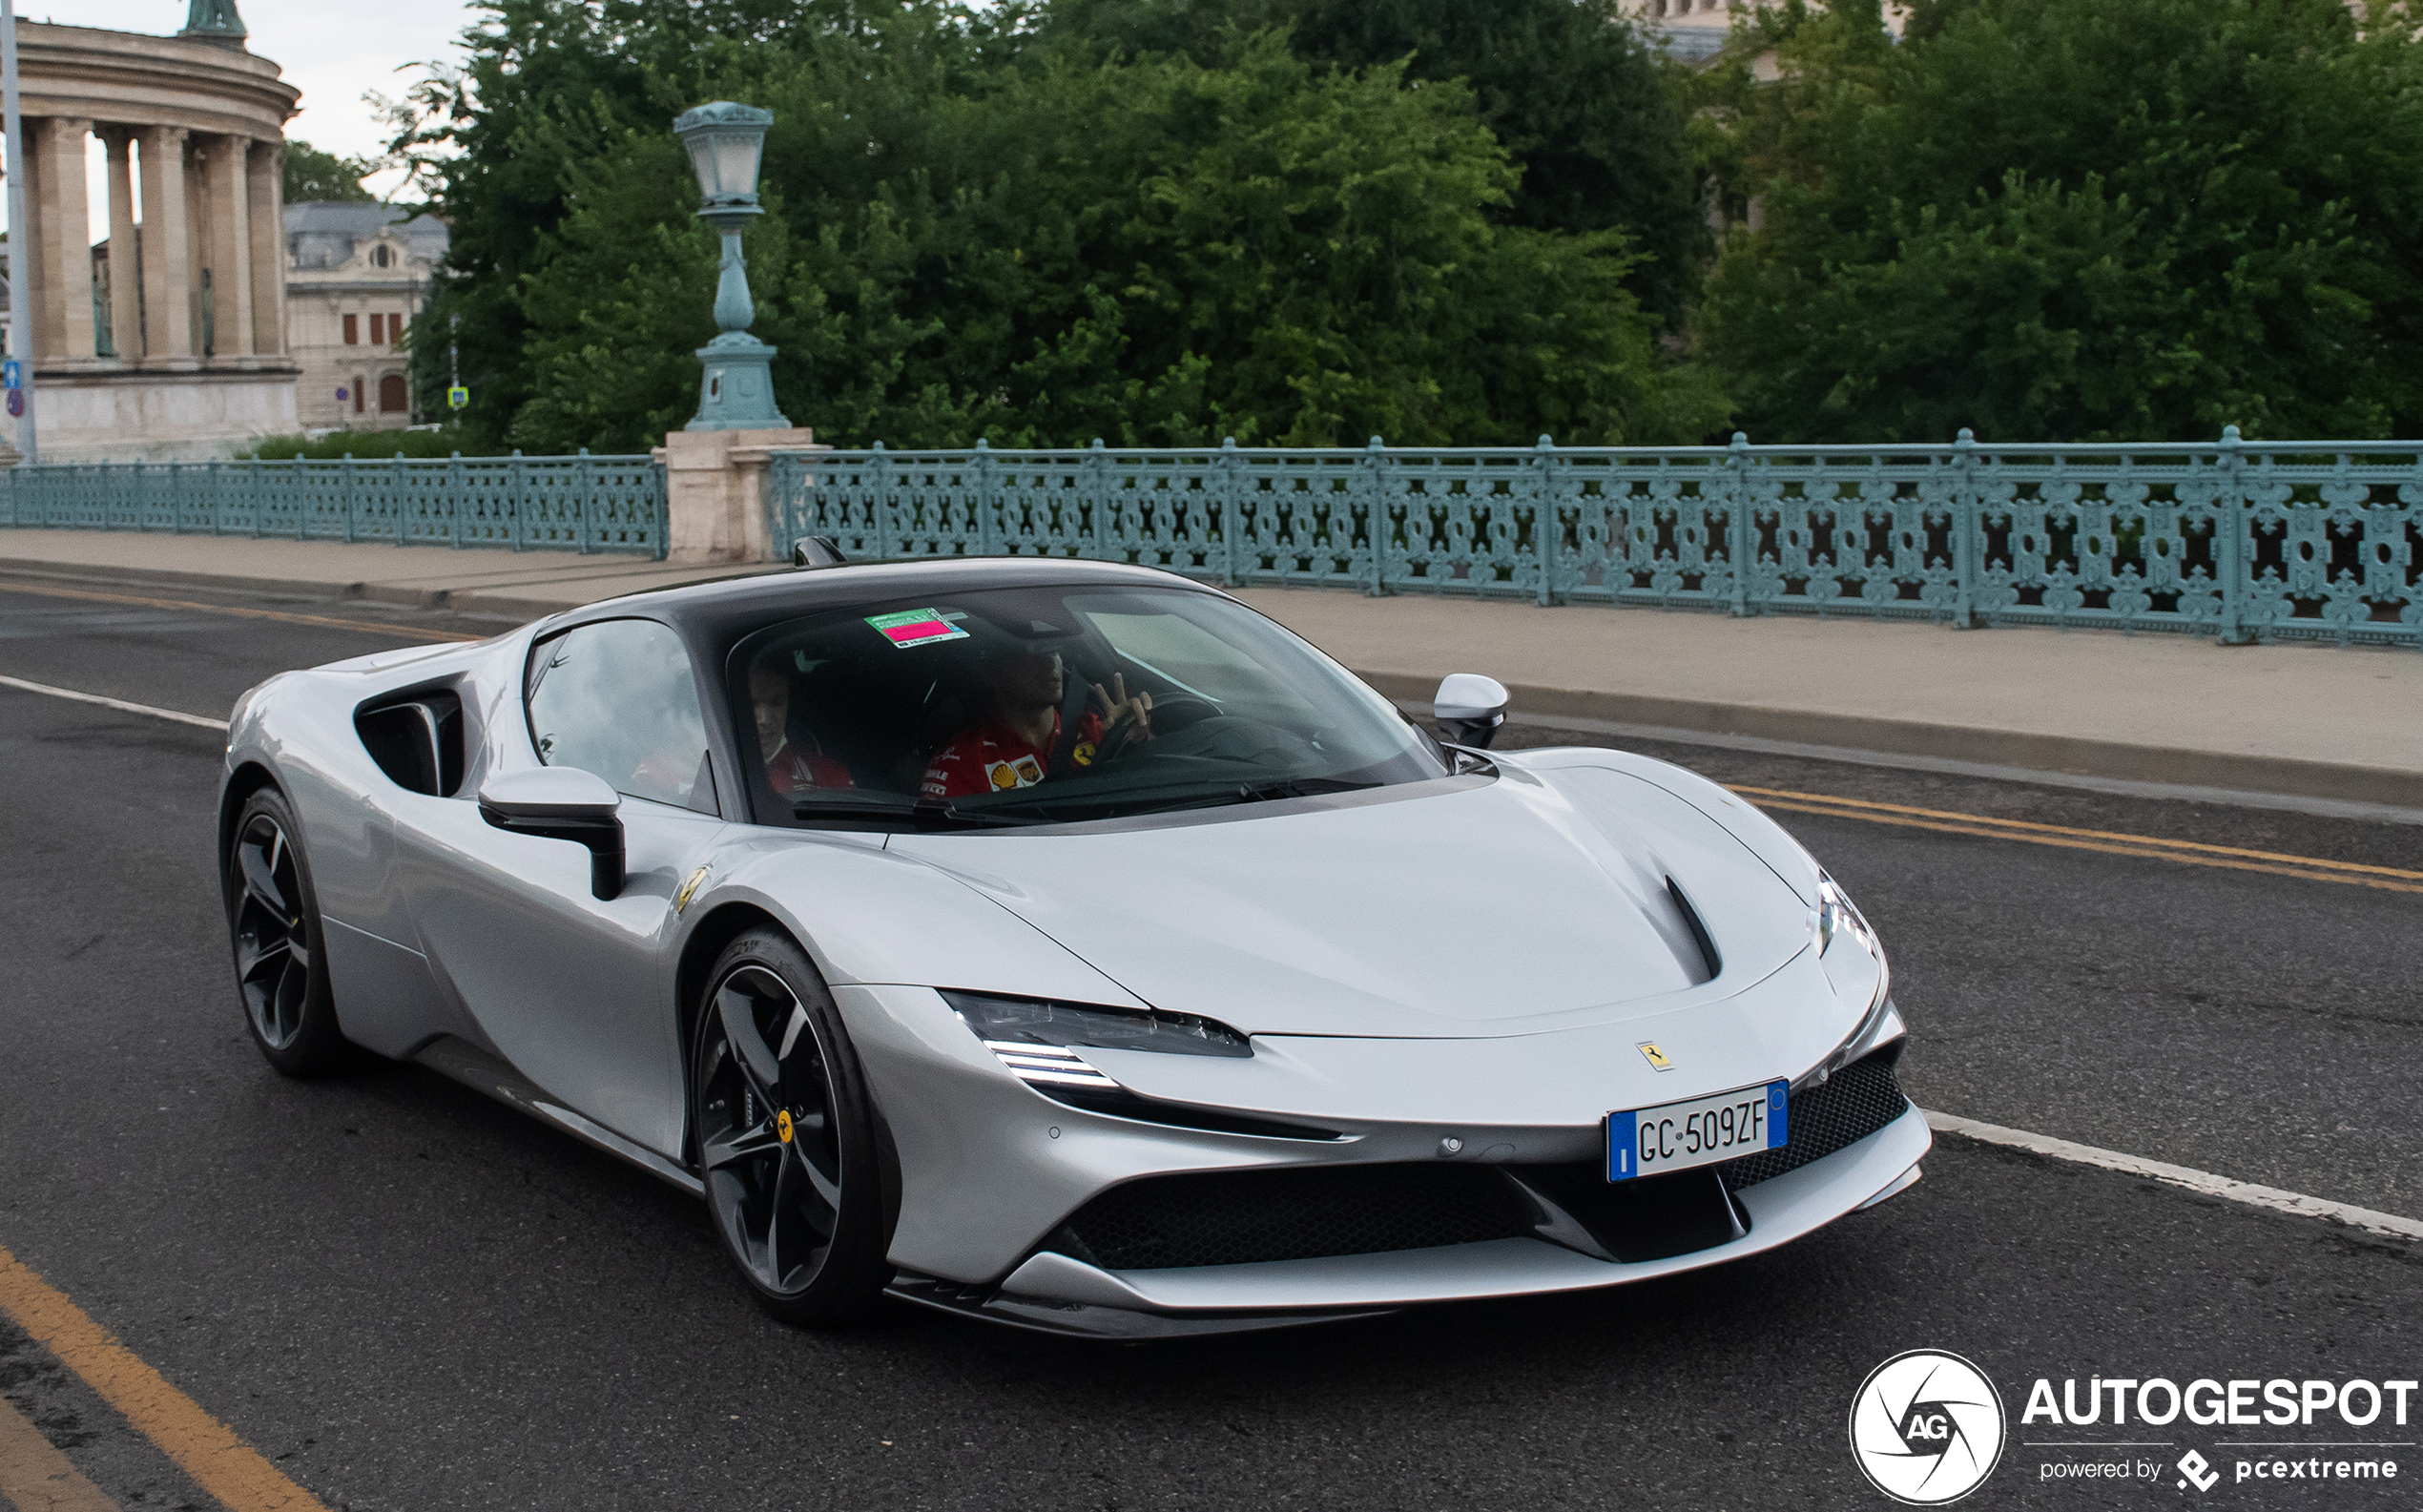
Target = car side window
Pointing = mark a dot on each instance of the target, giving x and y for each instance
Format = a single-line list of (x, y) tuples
[(617, 699)]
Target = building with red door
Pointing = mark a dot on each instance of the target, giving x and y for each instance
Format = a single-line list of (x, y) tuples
[(356, 274)]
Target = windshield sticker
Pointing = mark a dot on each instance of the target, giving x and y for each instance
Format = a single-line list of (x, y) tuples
[(917, 627)]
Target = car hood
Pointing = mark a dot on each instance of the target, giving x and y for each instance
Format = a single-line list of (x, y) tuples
[(1456, 908)]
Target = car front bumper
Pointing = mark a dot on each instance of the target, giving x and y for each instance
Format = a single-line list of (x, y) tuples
[(990, 1169)]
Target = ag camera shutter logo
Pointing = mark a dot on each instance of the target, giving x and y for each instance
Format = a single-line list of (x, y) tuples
[(1926, 1427)]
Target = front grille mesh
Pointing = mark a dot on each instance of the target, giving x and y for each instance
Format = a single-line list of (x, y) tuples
[(1855, 1102), (1233, 1216)]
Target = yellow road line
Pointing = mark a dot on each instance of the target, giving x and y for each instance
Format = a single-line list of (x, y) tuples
[(205, 1448), (281, 616), (37, 1477), (2064, 829), (2311, 871)]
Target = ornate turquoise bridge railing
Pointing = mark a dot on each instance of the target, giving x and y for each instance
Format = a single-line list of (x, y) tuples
[(525, 503), (2242, 539)]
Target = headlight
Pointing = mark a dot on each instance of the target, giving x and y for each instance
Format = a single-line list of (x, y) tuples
[(1837, 920), (1039, 1039), (1836, 916)]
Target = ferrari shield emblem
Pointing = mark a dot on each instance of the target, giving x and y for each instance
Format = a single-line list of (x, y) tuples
[(1655, 1057), (689, 889), (782, 1125)]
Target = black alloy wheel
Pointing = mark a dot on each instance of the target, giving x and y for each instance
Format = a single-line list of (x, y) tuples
[(281, 970), (786, 1136)]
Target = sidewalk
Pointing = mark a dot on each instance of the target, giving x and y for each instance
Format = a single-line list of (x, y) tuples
[(2310, 721)]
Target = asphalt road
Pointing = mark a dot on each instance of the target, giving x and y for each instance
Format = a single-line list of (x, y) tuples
[(409, 1297)]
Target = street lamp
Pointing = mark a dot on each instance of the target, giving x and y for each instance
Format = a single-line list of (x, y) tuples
[(737, 391)]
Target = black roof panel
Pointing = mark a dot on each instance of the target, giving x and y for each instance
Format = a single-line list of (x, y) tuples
[(717, 610)]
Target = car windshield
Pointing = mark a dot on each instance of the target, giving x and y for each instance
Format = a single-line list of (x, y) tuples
[(1046, 705)]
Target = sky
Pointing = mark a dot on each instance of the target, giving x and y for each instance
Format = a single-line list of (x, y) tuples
[(331, 50)]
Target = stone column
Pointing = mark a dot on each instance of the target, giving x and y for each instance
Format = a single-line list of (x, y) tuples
[(29, 246), (231, 256), (168, 288), (197, 238), (64, 265), (126, 277), (265, 213)]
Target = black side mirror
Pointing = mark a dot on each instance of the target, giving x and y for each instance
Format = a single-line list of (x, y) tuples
[(562, 804), (810, 551)]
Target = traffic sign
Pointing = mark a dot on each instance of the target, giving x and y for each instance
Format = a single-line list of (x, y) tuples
[(458, 398), (12, 375)]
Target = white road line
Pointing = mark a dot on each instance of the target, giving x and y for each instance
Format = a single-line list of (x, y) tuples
[(2197, 1181), (114, 703)]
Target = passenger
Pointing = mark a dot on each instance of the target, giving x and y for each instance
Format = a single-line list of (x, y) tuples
[(789, 768), (1015, 743)]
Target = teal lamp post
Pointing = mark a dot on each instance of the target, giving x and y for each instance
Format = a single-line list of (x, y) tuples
[(737, 391)]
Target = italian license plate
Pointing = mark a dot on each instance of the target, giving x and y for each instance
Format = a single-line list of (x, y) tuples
[(1676, 1136)]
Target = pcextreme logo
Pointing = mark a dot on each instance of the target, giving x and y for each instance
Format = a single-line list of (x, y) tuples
[(1926, 1427)]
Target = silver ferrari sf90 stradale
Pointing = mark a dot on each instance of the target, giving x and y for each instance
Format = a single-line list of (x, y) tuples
[(1065, 945)]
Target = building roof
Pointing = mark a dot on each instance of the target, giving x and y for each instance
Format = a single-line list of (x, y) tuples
[(323, 233)]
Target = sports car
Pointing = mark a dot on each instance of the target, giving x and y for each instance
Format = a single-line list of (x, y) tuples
[(1066, 944)]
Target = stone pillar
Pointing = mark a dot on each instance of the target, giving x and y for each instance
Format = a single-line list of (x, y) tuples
[(28, 246), (126, 277), (265, 213), (197, 238), (64, 266), (168, 288), (715, 491), (231, 256)]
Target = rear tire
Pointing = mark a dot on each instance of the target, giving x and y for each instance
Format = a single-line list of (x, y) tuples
[(281, 960), (786, 1136)]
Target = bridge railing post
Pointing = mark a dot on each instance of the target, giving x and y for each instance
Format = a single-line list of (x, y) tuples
[(2232, 523)]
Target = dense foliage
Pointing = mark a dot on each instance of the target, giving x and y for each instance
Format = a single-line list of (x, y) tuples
[(441, 442), (311, 174), (1573, 94), (981, 227), (2073, 219), (1310, 221)]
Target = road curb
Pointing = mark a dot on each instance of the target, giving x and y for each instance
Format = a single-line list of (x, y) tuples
[(2069, 754)]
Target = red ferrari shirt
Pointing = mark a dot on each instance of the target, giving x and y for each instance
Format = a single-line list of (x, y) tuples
[(791, 769), (992, 757)]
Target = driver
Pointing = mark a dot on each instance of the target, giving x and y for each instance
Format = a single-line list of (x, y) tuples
[(1013, 744), (789, 768)]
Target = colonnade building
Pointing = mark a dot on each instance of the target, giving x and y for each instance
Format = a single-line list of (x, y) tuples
[(169, 339)]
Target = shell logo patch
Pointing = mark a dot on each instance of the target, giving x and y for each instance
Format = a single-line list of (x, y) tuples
[(1023, 773), (1656, 1057)]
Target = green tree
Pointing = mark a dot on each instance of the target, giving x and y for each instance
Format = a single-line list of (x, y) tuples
[(313, 175), (2075, 219), (1587, 116), (968, 236)]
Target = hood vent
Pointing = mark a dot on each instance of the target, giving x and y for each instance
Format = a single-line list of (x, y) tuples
[(1711, 963)]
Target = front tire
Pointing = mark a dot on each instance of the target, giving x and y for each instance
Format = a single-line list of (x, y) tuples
[(281, 962), (786, 1136)]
